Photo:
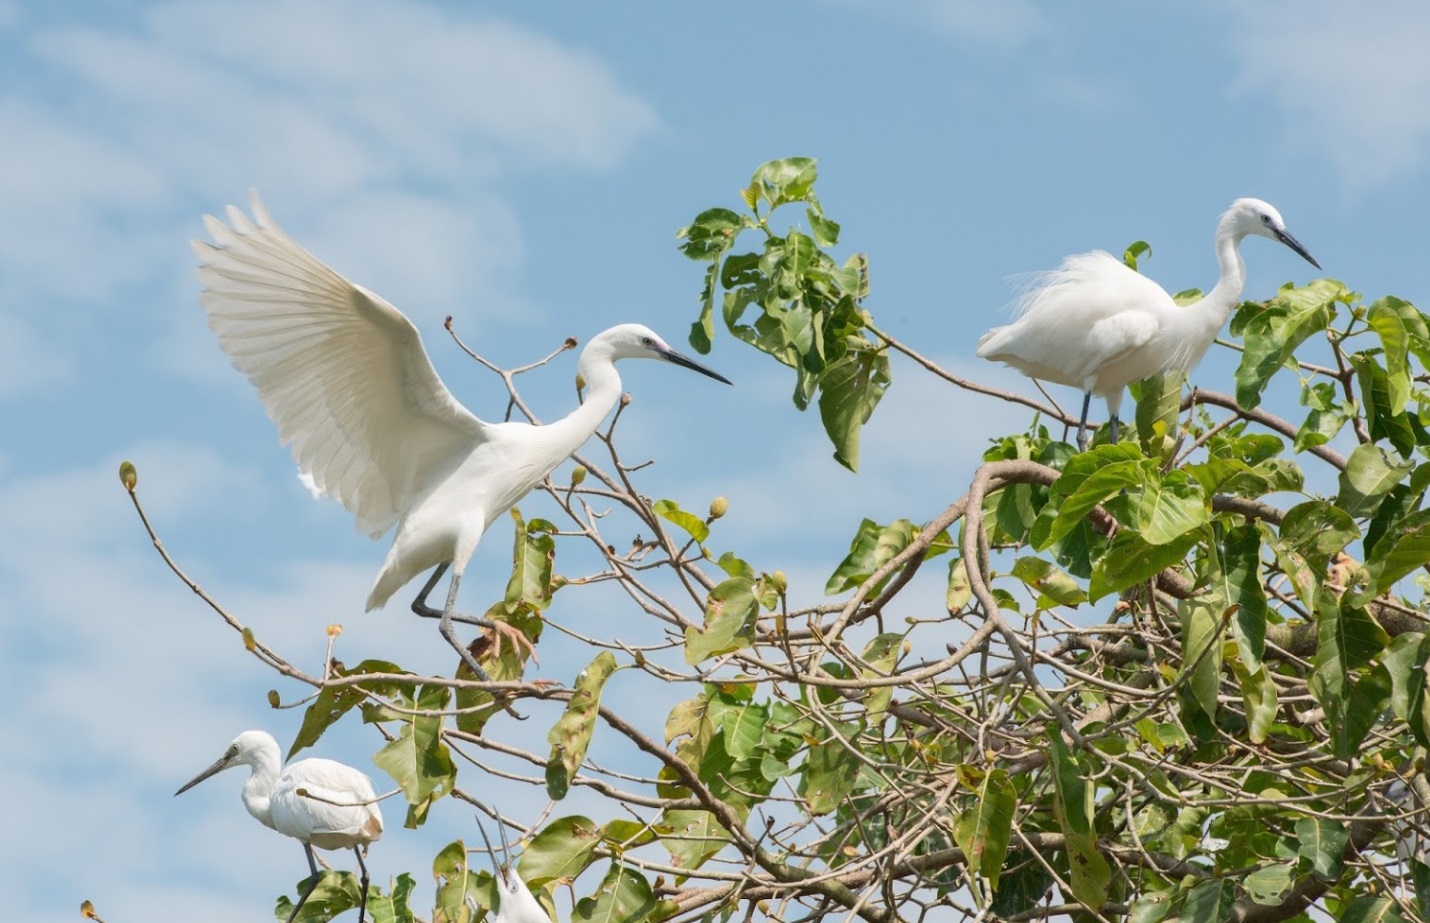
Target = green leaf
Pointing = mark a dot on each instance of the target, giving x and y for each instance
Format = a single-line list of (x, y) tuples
[(1268, 883), (571, 734), (711, 233), (693, 525), (476, 706), (455, 882), (1272, 335), (624, 896), (959, 591), (1169, 507), (1131, 560), (394, 907), (1371, 473), (1329, 413), (743, 723), (563, 849), (790, 179), (881, 654), (1209, 902), (1159, 399), (1238, 584), (1089, 479), (1375, 392), (983, 831), (729, 622), (1316, 530), (417, 759), (830, 772), (332, 702), (1404, 547), (1136, 249), (1405, 659), (1150, 908), (1322, 843), (334, 893), (849, 390), (691, 836), (1372, 908), (1258, 692), (1202, 647), (1054, 586), (873, 547), (1091, 875), (531, 561), (826, 232), (1386, 322)]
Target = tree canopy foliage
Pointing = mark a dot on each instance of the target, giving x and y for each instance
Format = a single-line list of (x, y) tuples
[(1182, 677)]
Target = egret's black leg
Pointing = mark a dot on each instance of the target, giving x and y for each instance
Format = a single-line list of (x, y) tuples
[(420, 607), (362, 903), (446, 628), (312, 882), (1082, 422), (1115, 424), (445, 625)]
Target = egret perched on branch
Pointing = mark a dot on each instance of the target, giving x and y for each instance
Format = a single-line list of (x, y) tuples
[(1095, 324), (515, 902), (317, 802), (344, 376)]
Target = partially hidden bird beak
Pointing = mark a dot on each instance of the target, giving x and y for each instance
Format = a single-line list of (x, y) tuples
[(1286, 238), (497, 865), (689, 363), (219, 765)]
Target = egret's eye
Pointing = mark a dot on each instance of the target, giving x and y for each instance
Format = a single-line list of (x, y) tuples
[(1266, 220), (647, 341)]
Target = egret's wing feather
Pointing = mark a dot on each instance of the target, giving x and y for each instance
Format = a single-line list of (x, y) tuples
[(1075, 319), (342, 373), (335, 803), (1089, 287)]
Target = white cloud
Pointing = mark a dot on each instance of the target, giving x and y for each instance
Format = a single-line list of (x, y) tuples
[(1352, 78)]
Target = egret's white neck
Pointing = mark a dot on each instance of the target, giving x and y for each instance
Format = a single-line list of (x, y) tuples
[(263, 774), (603, 389), (1217, 304)]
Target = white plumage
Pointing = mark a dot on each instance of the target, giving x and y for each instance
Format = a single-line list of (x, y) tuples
[(344, 376), (338, 811), (1095, 324)]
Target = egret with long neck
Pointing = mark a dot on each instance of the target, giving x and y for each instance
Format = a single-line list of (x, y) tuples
[(345, 378), (318, 802), (1096, 324)]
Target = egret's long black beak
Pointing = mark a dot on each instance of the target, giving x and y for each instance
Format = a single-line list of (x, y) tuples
[(497, 873), (219, 765), (1286, 238), (689, 363)]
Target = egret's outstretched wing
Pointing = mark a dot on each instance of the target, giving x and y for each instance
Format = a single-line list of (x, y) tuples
[(341, 372)]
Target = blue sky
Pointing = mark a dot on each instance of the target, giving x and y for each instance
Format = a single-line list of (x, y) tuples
[(523, 167)]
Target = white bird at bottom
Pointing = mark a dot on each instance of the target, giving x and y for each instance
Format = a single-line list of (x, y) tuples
[(318, 802), (1096, 324), (515, 902), (344, 376)]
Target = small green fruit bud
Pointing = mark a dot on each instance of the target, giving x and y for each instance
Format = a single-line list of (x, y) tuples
[(780, 581), (128, 476), (719, 507), (578, 474)]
